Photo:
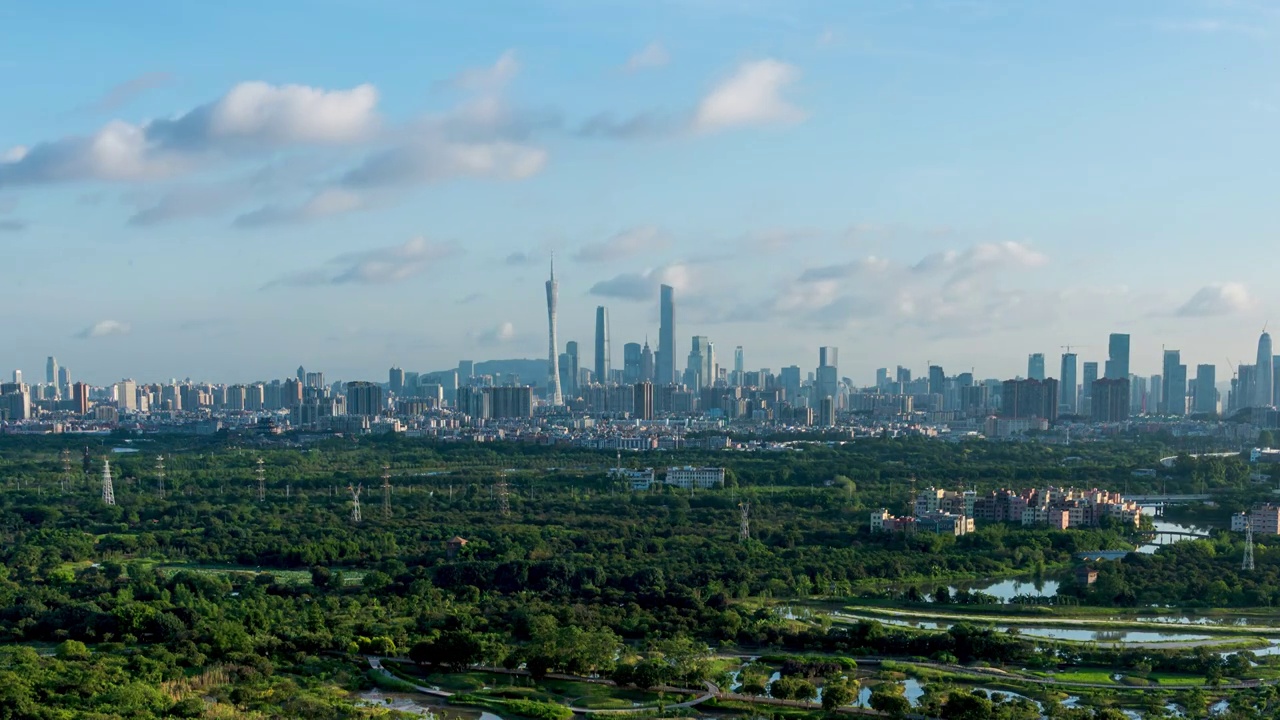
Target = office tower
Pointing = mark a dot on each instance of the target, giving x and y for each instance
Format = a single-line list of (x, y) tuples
[(1117, 367), (315, 380), (667, 336), (1067, 383), (937, 380), (1035, 366), (1275, 379), (568, 381), (1110, 400), (631, 354), (64, 381), (17, 377), (696, 374), (302, 374), (882, 378), (1173, 387), (575, 365), (827, 377), (789, 379), (364, 398), (80, 395), (739, 366), (904, 375), (1090, 374), (603, 355), (1205, 394), (466, 370), (1154, 397), (395, 380), (51, 369), (510, 402), (648, 369), (1262, 390), (827, 411), (1029, 398), (127, 395), (642, 404), (554, 397)]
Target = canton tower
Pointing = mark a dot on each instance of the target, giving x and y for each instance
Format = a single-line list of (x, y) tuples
[(553, 358)]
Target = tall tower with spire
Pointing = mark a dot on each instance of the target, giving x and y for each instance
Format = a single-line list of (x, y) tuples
[(1263, 393), (554, 396)]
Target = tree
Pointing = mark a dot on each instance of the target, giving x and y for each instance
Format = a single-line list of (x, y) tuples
[(888, 698), (966, 706), (838, 694), (72, 650), (1266, 439), (792, 688)]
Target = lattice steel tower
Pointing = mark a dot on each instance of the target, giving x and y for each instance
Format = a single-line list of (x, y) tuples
[(160, 474), (261, 471), (355, 502), (66, 470), (108, 491), (744, 527), (386, 491), (1248, 545)]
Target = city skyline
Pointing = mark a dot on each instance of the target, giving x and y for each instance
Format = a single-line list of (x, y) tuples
[(802, 176)]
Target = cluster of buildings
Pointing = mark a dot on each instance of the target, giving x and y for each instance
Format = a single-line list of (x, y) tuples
[(686, 478), (955, 512), (1265, 519)]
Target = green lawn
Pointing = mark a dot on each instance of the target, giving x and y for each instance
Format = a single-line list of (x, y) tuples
[(1098, 676)]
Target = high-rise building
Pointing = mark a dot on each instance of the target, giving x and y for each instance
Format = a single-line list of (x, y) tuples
[(666, 360), (642, 405), (937, 380), (827, 378), (1263, 395), (789, 379), (127, 395), (603, 356), (739, 366), (827, 411), (1205, 390), (554, 396), (51, 370), (80, 396), (1117, 357), (1029, 398), (510, 401), (1067, 384), (648, 369), (395, 381), (302, 374), (631, 353), (1035, 366), (364, 398), (575, 364), (1173, 390), (697, 373), (466, 370), (1109, 400), (903, 375), (17, 377), (64, 381), (882, 378), (1090, 374)]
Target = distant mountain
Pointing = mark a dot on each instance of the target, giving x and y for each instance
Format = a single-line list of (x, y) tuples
[(530, 372)]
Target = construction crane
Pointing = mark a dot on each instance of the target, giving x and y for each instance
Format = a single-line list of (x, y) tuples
[(1068, 347)]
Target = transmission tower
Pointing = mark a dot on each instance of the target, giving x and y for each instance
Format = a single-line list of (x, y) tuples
[(386, 491), (108, 492), (744, 528), (262, 487), (86, 465), (66, 470), (1248, 545), (355, 502), (504, 501), (160, 474)]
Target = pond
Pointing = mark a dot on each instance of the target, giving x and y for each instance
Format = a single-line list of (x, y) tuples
[(1007, 590), (1168, 532)]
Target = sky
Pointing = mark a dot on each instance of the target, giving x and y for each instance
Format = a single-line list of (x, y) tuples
[(224, 191)]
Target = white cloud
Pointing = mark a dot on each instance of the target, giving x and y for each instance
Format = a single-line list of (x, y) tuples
[(751, 96), (129, 90), (326, 203), (644, 285), (14, 154), (652, 55), (630, 242), (251, 115), (1226, 298), (503, 332), (432, 159), (104, 328), (491, 78), (379, 266)]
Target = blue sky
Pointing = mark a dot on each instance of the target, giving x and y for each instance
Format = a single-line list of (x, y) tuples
[(224, 191)]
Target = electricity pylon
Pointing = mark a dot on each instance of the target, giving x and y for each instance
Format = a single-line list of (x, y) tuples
[(160, 474), (744, 528), (386, 491), (108, 490), (355, 502), (262, 487), (1248, 545)]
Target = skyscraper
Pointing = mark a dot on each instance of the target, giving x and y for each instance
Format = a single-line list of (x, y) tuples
[(1035, 366), (1263, 395), (1205, 394), (553, 356), (631, 353), (697, 373), (466, 370), (666, 360), (51, 368), (1117, 357), (575, 363), (395, 380), (1067, 383), (1086, 391), (789, 379), (937, 380), (739, 368), (602, 345), (364, 398), (648, 370), (1173, 390), (642, 402), (827, 380)]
